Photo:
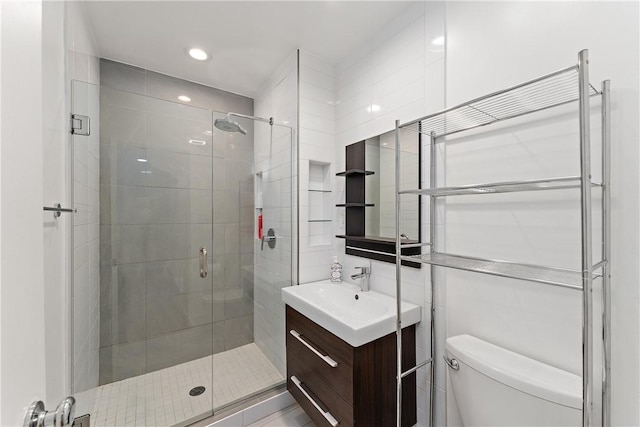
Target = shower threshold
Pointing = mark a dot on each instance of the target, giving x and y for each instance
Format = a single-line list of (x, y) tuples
[(162, 398)]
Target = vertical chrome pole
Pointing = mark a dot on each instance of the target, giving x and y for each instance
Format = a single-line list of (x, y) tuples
[(606, 253), (432, 248), (587, 264), (398, 287)]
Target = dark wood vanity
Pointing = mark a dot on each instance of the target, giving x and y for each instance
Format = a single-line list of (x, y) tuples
[(355, 385)]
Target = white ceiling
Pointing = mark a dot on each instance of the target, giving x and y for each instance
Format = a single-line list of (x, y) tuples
[(246, 40)]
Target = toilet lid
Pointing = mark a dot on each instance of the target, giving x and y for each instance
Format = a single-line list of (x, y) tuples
[(517, 371)]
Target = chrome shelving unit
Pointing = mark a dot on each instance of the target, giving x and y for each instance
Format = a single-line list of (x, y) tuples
[(565, 86)]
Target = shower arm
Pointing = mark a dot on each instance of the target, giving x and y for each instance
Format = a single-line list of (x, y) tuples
[(270, 120)]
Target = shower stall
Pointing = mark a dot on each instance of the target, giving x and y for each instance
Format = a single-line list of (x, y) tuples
[(183, 239)]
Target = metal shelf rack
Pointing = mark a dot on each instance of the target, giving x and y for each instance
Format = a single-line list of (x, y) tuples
[(565, 86)]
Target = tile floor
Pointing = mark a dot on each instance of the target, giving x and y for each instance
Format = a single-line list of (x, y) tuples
[(293, 416), (161, 398)]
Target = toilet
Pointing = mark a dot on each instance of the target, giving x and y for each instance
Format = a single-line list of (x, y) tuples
[(497, 387)]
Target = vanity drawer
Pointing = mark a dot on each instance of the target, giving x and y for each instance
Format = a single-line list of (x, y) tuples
[(318, 392), (361, 388), (317, 350)]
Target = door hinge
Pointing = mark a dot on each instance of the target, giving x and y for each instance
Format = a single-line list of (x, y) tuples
[(80, 125)]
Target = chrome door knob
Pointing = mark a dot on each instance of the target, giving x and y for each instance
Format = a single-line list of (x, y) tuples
[(63, 416)]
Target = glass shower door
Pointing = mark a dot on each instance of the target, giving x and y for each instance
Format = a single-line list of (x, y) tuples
[(274, 268), (252, 186), (155, 327)]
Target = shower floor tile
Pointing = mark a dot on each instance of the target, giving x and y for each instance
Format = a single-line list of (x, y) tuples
[(161, 398)]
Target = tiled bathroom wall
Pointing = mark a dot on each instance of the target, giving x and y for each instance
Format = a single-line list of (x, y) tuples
[(317, 139), (541, 321), (163, 198), (398, 74)]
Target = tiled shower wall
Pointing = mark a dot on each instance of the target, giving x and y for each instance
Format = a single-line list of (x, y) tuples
[(155, 309)]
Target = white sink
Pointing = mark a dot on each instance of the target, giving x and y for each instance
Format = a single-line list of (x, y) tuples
[(354, 316)]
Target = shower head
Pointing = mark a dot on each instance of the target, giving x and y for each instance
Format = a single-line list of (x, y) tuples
[(229, 125)]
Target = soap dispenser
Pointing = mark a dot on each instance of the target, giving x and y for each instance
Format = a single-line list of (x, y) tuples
[(336, 271)]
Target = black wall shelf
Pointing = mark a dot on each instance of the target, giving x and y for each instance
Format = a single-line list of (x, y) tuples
[(355, 188), (350, 172)]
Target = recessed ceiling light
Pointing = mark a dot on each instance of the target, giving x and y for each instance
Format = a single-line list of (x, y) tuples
[(197, 142), (184, 98), (438, 41), (207, 132), (198, 54), (141, 160)]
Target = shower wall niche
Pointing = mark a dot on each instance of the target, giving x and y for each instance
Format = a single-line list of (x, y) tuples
[(170, 184)]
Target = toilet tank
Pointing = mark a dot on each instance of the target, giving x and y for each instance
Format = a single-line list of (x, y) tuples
[(497, 387)]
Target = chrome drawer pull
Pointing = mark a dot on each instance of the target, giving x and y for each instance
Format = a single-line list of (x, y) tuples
[(326, 415), (327, 359)]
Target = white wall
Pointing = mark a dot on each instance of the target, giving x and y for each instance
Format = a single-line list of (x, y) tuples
[(22, 288), (508, 43), (35, 74), (55, 190), (273, 159)]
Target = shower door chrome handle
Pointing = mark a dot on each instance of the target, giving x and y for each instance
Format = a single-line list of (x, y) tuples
[(204, 267)]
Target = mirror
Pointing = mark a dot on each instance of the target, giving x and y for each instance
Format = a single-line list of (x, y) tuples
[(380, 157), (370, 196)]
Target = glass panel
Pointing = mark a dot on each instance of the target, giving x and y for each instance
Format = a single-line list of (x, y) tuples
[(248, 314), (85, 266), (154, 183), (155, 324), (273, 266)]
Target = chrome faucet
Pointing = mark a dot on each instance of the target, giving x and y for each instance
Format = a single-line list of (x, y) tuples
[(364, 274)]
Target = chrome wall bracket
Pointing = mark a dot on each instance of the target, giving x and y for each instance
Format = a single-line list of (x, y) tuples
[(57, 210), (63, 416)]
